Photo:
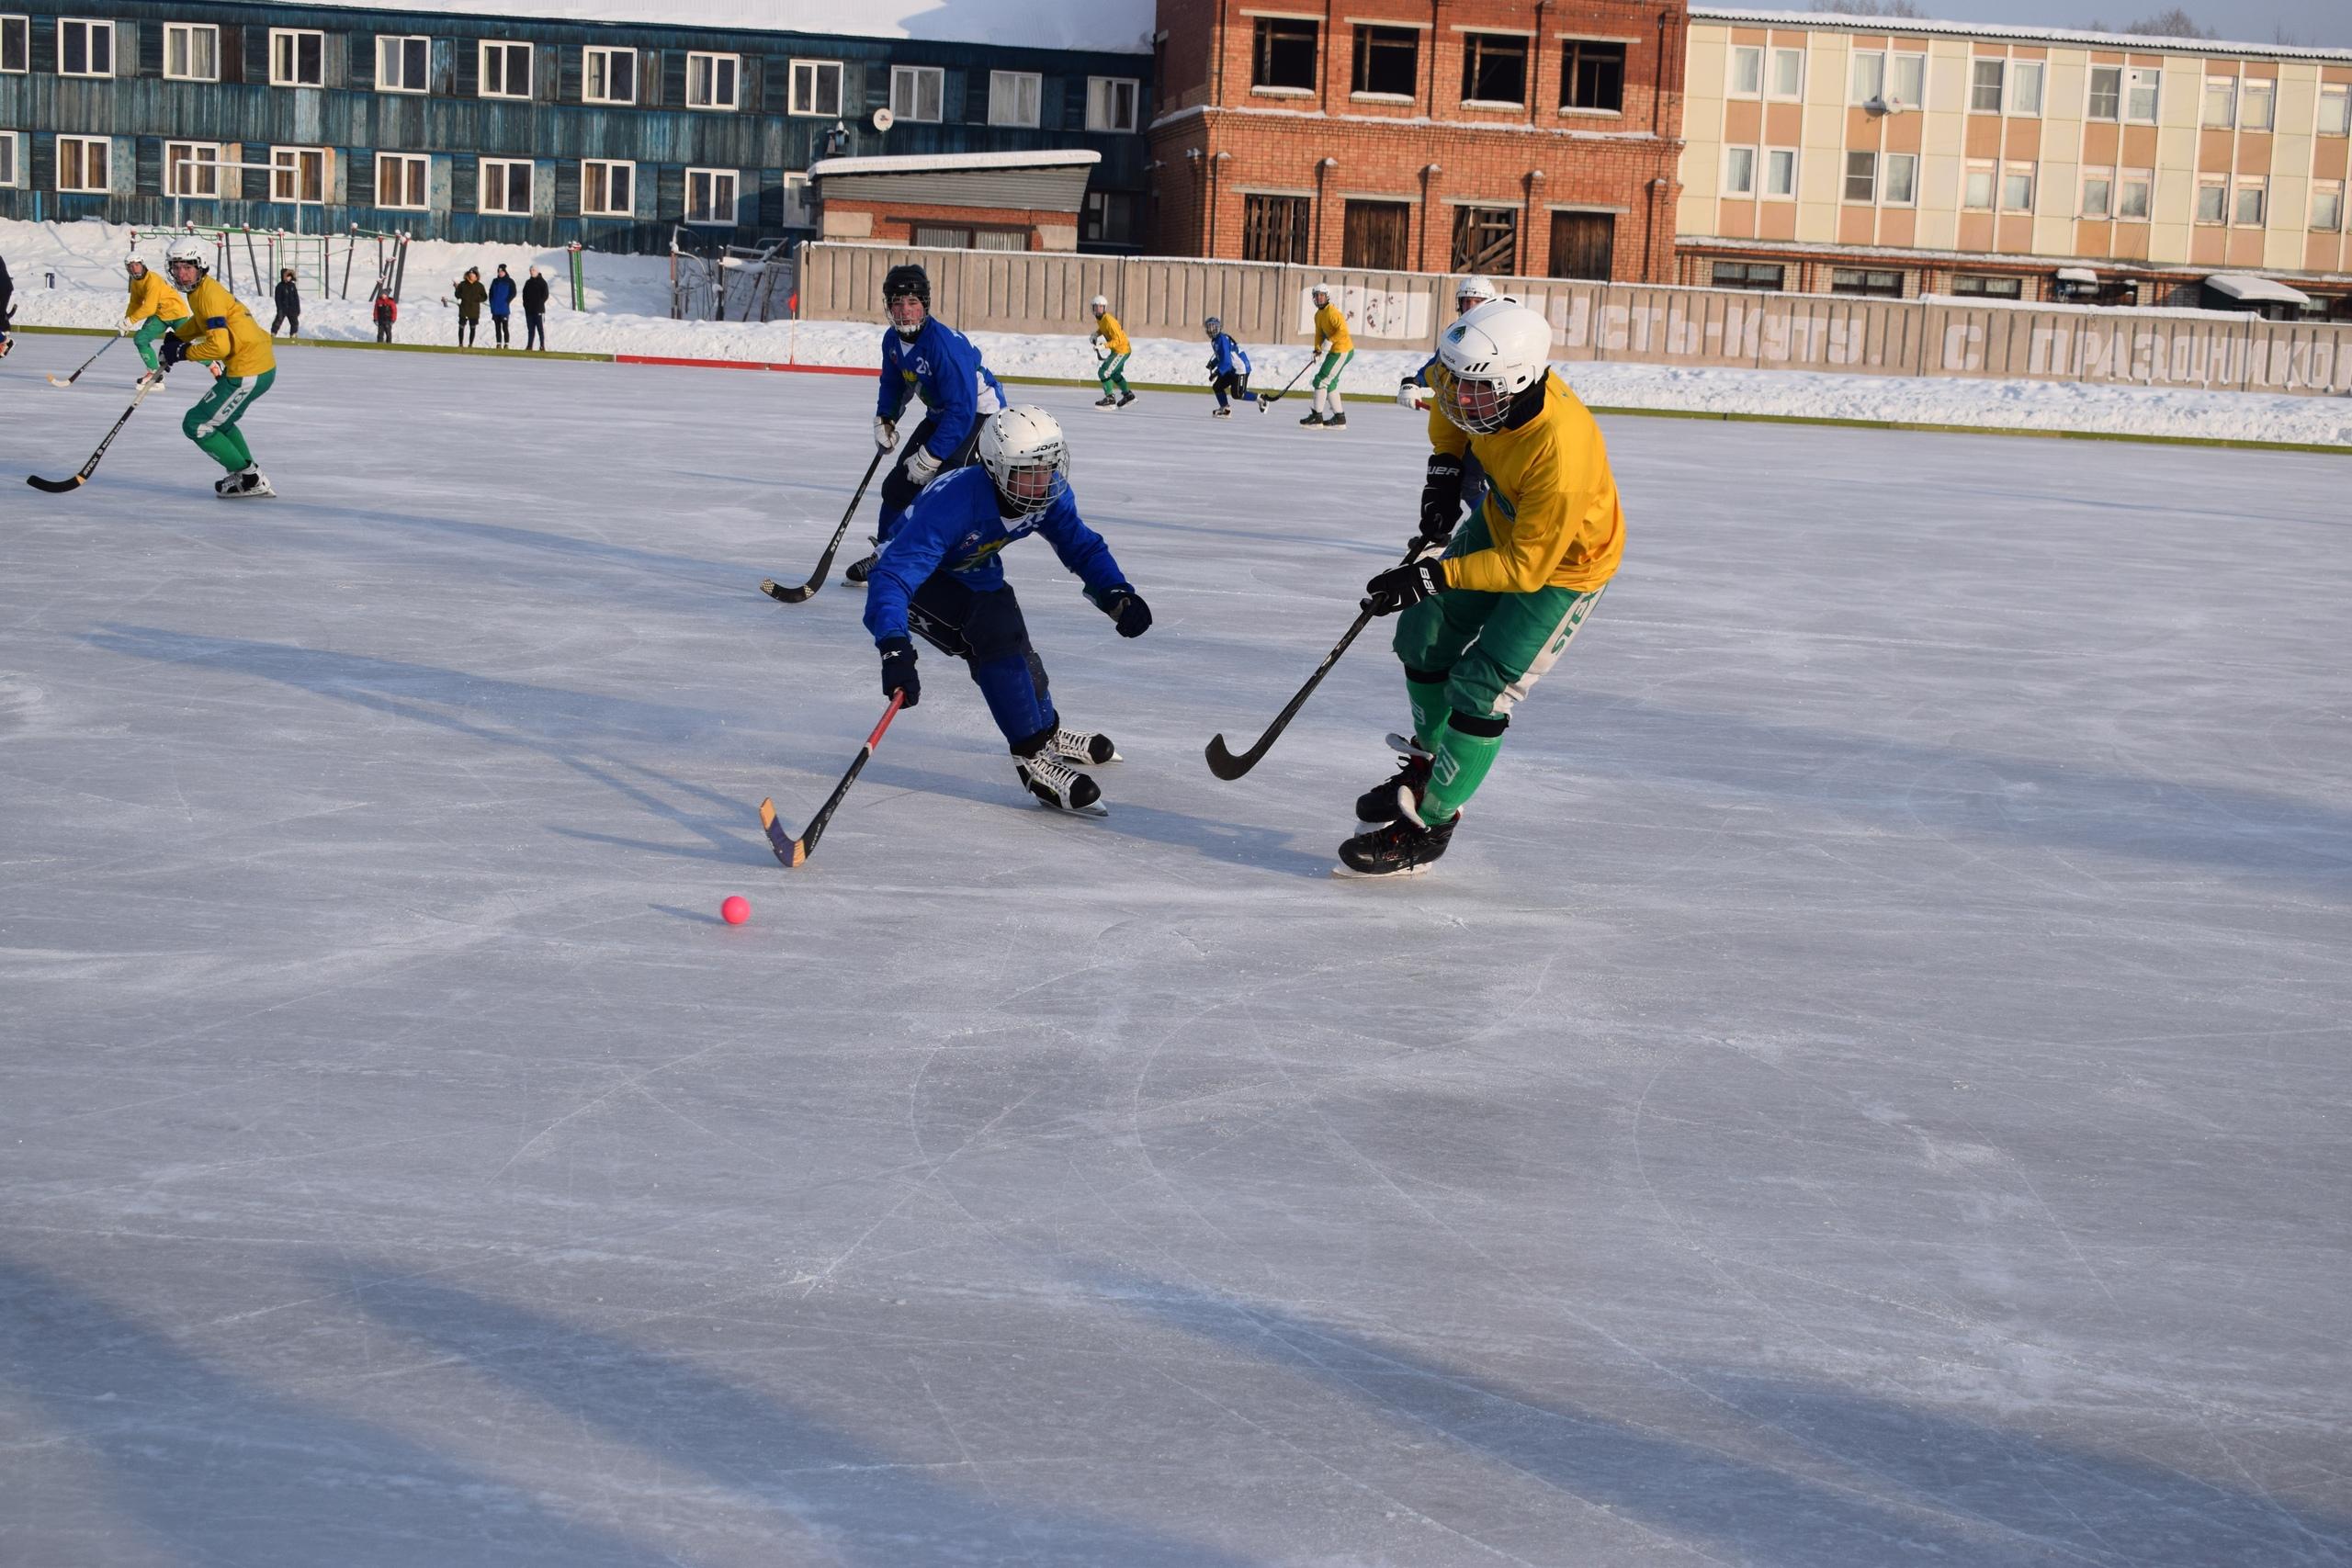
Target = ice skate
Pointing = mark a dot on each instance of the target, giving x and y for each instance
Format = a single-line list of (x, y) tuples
[(1080, 746), (1106, 402), (1314, 421), (248, 484), (1058, 785), (1379, 805), (1403, 848), (1125, 399), (1336, 422), (1220, 414), (859, 570)]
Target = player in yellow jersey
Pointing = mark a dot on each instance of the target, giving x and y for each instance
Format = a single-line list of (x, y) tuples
[(1111, 342), (1335, 347), (221, 334), (155, 308), (1484, 622)]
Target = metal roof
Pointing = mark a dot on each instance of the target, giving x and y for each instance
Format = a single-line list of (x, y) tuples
[(1839, 21)]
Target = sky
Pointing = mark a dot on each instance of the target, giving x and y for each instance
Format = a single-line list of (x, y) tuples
[(2314, 23)]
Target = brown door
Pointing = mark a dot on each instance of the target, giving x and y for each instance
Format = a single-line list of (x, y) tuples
[(1375, 236), (1582, 244)]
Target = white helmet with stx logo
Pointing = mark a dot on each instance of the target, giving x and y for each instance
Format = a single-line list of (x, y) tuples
[(1026, 456), (1491, 355)]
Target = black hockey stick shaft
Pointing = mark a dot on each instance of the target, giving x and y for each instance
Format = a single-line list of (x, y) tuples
[(794, 853), (1227, 766), (784, 595), (86, 363), (59, 487), (1264, 402)]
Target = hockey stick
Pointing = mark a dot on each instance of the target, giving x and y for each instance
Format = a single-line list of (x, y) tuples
[(59, 487), (1226, 765), (86, 363), (1265, 402), (784, 595), (794, 853)]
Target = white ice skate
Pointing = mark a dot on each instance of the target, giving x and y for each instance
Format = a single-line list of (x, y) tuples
[(1080, 746), (1058, 785)]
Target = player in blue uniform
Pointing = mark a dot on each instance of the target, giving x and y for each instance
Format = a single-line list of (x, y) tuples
[(938, 577), (924, 358), (1413, 391), (1228, 366)]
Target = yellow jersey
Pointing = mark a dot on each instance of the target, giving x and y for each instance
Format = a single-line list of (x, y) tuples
[(218, 328), (1332, 328), (151, 294), (1551, 510), (1114, 336)]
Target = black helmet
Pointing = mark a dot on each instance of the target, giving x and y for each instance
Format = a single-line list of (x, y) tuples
[(907, 278)]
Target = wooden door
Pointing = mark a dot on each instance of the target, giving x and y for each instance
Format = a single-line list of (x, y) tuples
[(1583, 245)]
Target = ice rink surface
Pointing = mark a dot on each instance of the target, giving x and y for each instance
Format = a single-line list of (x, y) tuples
[(1868, 1085)]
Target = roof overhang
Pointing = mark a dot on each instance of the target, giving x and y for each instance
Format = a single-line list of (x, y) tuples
[(2253, 291), (1032, 182)]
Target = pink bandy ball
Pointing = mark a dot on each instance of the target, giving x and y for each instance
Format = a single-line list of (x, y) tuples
[(736, 910)]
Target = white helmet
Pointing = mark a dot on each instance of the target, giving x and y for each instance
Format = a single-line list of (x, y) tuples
[(1473, 290), (1321, 289), (187, 251), (1026, 458), (1099, 304), (134, 264), (1491, 355)]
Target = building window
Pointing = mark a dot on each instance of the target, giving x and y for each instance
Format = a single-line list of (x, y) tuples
[(710, 196), (608, 189), (1108, 217), (1899, 180), (192, 169), (506, 186), (1739, 171), (2327, 207), (2247, 212), (1375, 234), (1861, 176), (1592, 75), (1976, 187), (817, 87), (2017, 188), (1909, 84), (713, 81), (506, 71), (1979, 288), (2214, 200), (1111, 102), (1788, 71), (1282, 54), (2139, 85), (2024, 86), (2220, 102), (1868, 84), (1388, 62), (191, 52), (1494, 68), (918, 93), (2099, 194), (296, 58), (1012, 97), (1770, 276), (84, 164), (297, 174), (1273, 228), (2258, 106), (15, 45), (84, 49), (796, 213), (1746, 72), (1485, 239), (403, 181), (2106, 100), (12, 159), (2336, 111), (1780, 171), (403, 65), (1871, 282), (2132, 189), (609, 76), (1985, 85)]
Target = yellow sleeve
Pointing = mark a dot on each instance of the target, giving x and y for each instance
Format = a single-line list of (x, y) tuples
[(206, 331), (143, 299), (1444, 434), (1540, 531)]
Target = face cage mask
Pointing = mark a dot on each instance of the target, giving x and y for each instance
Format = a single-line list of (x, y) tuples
[(907, 329), (1057, 486), (1449, 402)]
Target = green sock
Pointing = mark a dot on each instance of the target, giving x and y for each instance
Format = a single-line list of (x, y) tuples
[(1429, 710), (1462, 762), (223, 448)]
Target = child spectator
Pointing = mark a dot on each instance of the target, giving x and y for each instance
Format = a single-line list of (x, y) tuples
[(535, 312), (388, 310), (289, 306), (502, 301)]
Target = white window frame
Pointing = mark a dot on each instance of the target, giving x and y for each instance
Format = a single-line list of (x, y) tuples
[(407, 164), (2144, 182), (1743, 70), (1786, 157), (490, 171), (608, 208), (2336, 97), (1866, 76), (1848, 175), (2090, 94), (184, 172), (20, 28), (589, 59), (1887, 164), (184, 34), (1102, 100), (796, 213), (999, 80), (805, 97), (2135, 79), (285, 161), (2217, 187), (706, 71), (91, 28), (1732, 163), (710, 179), (15, 170), (504, 53), (2331, 192), (106, 146), (1772, 88), (2258, 187), (2031, 174), (1907, 62), (2225, 89), (1978, 83), (908, 83), (392, 62), (1978, 169), (2024, 104), (2105, 179), (2261, 90), (291, 40)]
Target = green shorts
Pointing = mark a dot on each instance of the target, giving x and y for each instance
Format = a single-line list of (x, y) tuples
[(1489, 648), (1327, 375)]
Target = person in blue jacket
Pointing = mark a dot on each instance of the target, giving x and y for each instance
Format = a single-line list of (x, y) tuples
[(924, 357), (1413, 391), (1228, 366), (938, 577), (501, 304)]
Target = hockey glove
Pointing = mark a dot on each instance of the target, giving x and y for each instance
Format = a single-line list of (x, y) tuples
[(125, 327), (885, 434), (1401, 587), (922, 467), (1440, 498), (899, 669), (1126, 609), (173, 349)]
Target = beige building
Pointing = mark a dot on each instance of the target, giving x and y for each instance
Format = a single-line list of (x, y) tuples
[(1829, 153)]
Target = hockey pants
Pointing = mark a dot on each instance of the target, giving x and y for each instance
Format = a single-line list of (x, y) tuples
[(1234, 381), (145, 338), (985, 630), (1326, 381), (898, 490), (1112, 371), (212, 423)]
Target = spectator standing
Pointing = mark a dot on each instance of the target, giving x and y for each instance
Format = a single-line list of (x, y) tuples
[(289, 306), (7, 299), (535, 312), (469, 295), (388, 310), (502, 303)]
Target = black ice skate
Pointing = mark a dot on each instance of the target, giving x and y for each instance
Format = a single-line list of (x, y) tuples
[(1314, 421), (1080, 746), (1106, 402), (247, 484), (1058, 784), (1336, 422), (1404, 848), (1220, 414), (859, 570), (1380, 805), (1126, 397)]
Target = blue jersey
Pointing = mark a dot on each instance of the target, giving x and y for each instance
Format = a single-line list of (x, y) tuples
[(942, 369), (1421, 378), (955, 527), (1229, 359)]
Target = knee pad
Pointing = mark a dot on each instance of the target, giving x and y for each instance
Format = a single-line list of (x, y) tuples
[(1473, 724), (1427, 677)]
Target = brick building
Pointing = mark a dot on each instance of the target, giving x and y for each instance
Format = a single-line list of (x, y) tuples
[(1531, 138)]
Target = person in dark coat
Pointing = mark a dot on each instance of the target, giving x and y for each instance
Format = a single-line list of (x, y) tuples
[(469, 295), (502, 302), (7, 302), (388, 310), (289, 306), (535, 311)]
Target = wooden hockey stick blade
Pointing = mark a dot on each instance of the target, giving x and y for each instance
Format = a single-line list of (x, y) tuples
[(792, 851), (54, 487), (783, 595)]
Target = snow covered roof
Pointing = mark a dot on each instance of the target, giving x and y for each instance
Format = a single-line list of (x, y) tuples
[(1121, 27), (2255, 290), (1909, 27), (2077, 274), (954, 162)]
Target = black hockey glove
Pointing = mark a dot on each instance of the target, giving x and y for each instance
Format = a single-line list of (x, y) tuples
[(173, 350), (1440, 498), (1402, 586), (899, 669), (1126, 607)]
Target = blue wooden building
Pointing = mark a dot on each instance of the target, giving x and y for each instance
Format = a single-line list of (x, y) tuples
[(495, 129)]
